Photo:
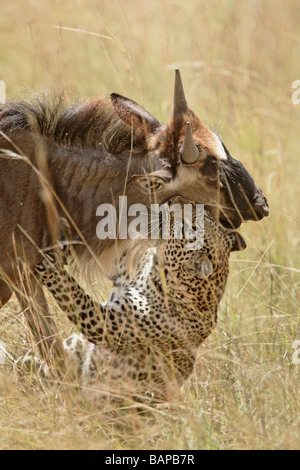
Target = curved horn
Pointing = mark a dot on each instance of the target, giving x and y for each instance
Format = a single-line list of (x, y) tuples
[(180, 103), (189, 153)]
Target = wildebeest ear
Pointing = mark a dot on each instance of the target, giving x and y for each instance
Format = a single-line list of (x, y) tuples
[(152, 182), (134, 115), (237, 241)]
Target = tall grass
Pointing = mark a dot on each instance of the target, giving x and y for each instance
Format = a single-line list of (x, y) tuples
[(238, 60)]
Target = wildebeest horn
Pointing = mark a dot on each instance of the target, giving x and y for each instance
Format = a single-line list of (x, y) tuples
[(180, 103), (189, 153)]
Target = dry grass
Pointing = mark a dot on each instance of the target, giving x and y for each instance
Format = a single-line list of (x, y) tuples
[(238, 60)]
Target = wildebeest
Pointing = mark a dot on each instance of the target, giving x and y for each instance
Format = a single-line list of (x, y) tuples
[(91, 154)]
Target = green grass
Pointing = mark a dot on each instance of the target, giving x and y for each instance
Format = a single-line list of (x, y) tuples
[(238, 60)]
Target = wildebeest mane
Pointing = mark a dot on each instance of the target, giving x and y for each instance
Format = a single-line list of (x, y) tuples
[(80, 124)]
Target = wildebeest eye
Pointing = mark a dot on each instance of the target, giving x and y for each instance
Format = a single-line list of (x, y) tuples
[(211, 167), (212, 161)]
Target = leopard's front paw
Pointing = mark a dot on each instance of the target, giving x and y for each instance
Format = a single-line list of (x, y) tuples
[(51, 260)]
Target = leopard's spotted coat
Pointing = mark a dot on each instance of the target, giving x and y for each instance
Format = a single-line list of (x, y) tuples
[(151, 325)]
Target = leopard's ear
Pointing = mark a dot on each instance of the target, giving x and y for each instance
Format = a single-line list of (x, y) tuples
[(199, 267), (40, 268), (237, 242)]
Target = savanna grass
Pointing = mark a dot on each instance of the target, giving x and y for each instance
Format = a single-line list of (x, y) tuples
[(238, 59)]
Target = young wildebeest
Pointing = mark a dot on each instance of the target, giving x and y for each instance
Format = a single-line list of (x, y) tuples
[(152, 325), (91, 154)]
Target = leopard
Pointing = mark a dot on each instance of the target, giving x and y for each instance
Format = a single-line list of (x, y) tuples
[(151, 326)]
